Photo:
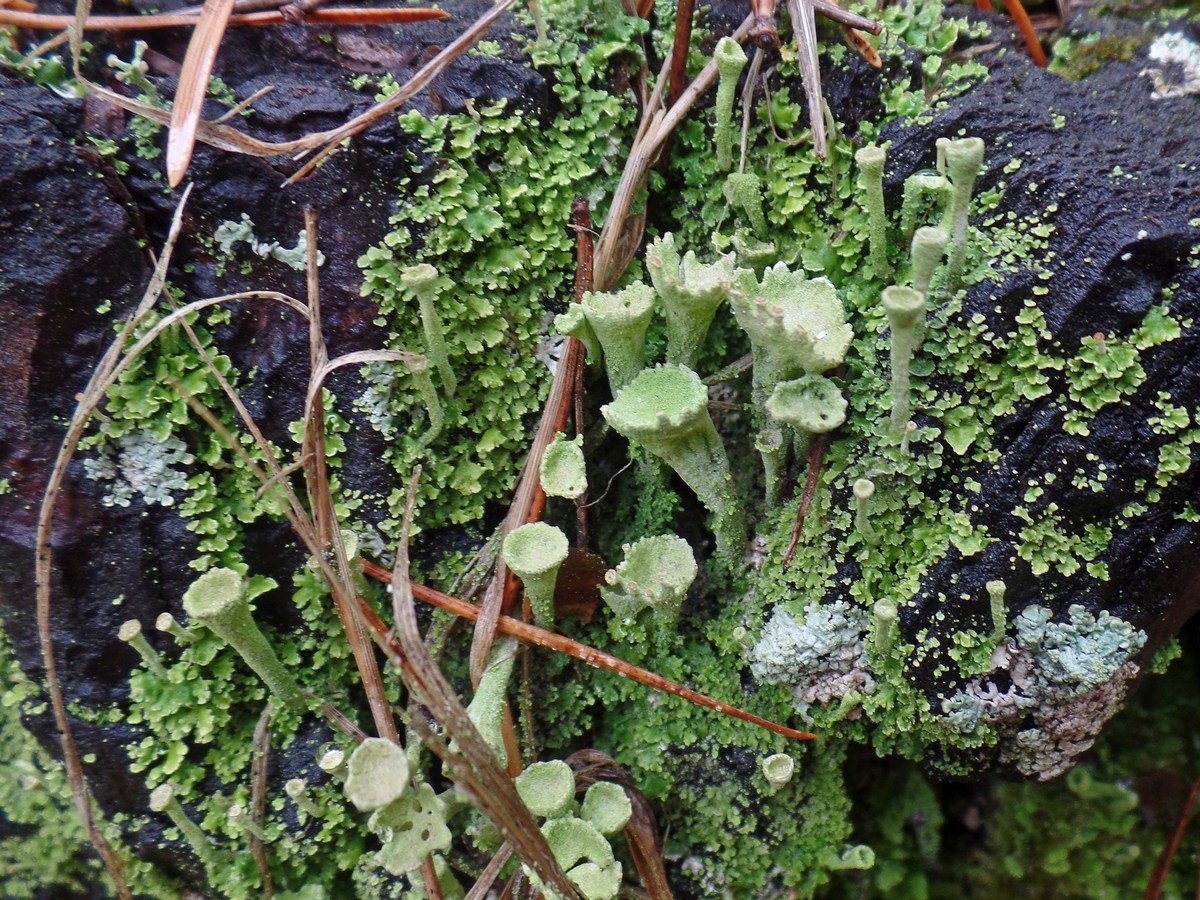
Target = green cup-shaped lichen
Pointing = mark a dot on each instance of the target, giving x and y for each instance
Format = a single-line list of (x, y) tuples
[(422, 281), (778, 769), (691, 292), (665, 409), (131, 633), (486, 708), (928, 248), (411, 827), (811, 404), (870, 161), (886, 615), (162, 800), (730, 59), (547, 788), (619, 320), (534, 552), (574, 323), (563, 471), (964, 162), (217, 599), (377, 774), (905, 310), (743, 190), (607, 806), (655, 575), (918, 189)]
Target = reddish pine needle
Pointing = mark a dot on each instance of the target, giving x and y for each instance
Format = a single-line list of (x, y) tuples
[(333, 16), (557, 642)]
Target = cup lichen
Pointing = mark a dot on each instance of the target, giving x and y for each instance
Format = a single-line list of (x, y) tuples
[(871, 160), (563, 470), (655, 576), (534, 553), (691, 292), (730, 59), (619, 320), (665, 410), (905, 308), (422, 280)]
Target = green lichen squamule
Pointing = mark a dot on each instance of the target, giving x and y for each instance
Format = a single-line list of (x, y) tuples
[(422, 280), (534, 553), (730, 59), (665, 410), (217, 599)]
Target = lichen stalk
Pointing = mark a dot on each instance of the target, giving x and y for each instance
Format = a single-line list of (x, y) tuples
[(730, 59), (743, 190), (996, 590), (864, 490), (964, 161), (905, 308), (131, 633), (297, 789), (217, 599), (422, 281), (486, 708), (916, 188), (167, 623), (928, 248), (886, 615), (870, 161), (418, 367), (162, 800)]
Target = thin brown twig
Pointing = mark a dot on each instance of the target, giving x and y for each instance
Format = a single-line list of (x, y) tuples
[(560, 643), (258, 797), (433, 888), (1162, 865), (815, 456), (490, 873), (684, 14)]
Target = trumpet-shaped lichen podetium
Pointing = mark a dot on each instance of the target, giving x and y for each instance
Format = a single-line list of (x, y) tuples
[(563, 471), (217, 599), (905, 310), (870, 161), (964, 162), (377, 774), (534, 552), (619, 320), (691, 292), (655, 576), (607, 806), (796, 326), (730, 59), (665, 409), (811, 404)]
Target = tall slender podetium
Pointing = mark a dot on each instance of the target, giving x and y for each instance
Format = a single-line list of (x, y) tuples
[(730, 59), (422, 281), (905, 310)]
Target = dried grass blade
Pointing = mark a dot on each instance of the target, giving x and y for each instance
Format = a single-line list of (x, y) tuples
[(193, 85), (483, 885), (89, 399), (326, 533), (474, 767), (804, 24)]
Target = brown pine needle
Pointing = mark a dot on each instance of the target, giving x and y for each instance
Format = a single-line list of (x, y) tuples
[(337, 15), (193, 86), (562, 644), (810, 490)]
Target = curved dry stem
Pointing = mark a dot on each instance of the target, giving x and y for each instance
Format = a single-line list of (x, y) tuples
[(230, 139)]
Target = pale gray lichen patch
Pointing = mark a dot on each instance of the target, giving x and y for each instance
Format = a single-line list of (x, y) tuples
[(231, 233), (823, 656), (1065, 679), (139, 464)]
